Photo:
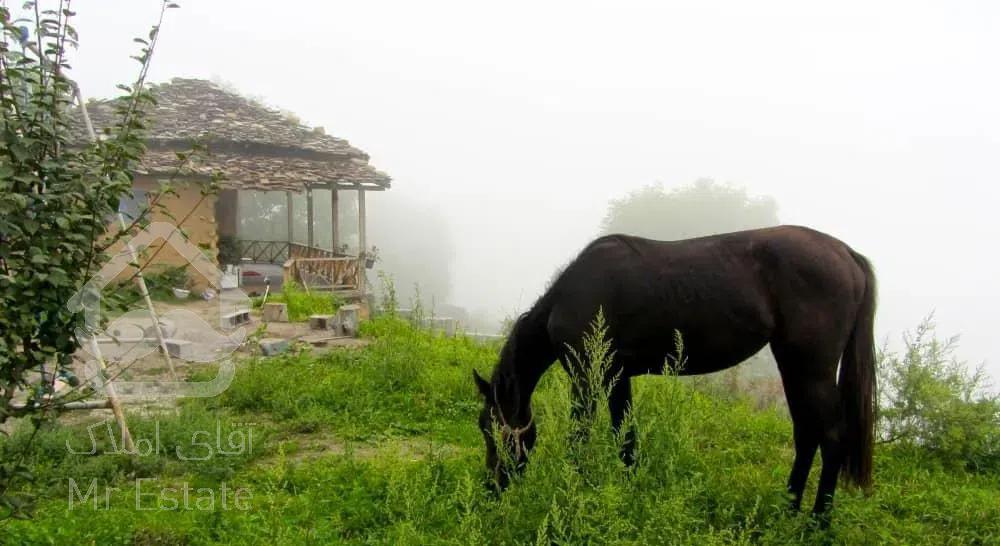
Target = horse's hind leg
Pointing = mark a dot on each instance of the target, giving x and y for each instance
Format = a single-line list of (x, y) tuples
[(806, 443), (813, 402), (827, 401), (619, 403)]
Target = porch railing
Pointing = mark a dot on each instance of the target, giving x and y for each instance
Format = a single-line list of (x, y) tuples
[(337, 273), (270, 252), (315, 268), (277, 252)]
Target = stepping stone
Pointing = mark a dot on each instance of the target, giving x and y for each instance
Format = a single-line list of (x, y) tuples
[(271, 346), (275, 312), (325, 322)]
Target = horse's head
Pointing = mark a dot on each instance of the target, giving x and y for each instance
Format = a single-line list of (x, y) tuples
[(516, 428)]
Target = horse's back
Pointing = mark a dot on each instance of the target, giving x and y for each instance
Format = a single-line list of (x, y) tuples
[(727, 294)]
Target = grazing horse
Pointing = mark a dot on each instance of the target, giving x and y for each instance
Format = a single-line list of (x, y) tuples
[(806, 293)]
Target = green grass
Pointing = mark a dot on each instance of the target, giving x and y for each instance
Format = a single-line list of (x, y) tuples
[(380, 445), (302, 303)]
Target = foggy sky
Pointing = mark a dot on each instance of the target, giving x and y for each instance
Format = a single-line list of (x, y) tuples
[(878, 123)]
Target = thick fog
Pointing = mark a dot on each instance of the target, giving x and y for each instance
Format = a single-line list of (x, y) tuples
[(516, 122)]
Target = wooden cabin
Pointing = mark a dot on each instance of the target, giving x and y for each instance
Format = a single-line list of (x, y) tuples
[(266, 156)]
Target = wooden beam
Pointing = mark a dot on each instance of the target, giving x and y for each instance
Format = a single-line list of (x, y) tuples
[(353, 186), (290, 213), (75, 405), (334, 220), (309, 216)]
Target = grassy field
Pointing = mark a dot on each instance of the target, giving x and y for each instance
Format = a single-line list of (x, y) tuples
[(380, 445)]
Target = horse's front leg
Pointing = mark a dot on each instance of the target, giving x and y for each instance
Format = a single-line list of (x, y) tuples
[(619, 404)]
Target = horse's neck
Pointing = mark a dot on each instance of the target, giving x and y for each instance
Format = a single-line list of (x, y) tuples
[(525, 358)]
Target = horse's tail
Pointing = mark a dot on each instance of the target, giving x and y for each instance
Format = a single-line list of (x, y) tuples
[(858, 388)]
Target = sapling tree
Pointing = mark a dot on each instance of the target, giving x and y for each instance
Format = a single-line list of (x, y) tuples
[(59, 190)]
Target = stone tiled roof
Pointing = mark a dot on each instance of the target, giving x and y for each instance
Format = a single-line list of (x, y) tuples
[(271, 173), (257, 147)]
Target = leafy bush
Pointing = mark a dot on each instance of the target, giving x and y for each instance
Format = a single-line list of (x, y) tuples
[(933, 402)]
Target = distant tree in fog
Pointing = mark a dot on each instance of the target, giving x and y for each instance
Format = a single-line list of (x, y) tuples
[(702, 208)]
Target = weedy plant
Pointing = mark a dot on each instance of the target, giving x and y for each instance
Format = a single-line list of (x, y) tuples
[(932, 402), (303, 303)]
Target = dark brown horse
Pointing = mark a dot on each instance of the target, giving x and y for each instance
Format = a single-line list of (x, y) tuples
[(807, 294)]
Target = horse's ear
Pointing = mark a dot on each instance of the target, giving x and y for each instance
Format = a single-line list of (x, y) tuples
[(481, 384)]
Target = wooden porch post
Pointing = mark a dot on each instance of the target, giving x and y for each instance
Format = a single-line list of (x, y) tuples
[(362, 235), (334, 219), (290, 214), (309, 215), (362, 240)]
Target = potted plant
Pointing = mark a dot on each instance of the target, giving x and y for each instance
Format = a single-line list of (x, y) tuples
[(370, 256)]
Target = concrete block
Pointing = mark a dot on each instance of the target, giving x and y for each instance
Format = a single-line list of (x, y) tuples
[(271, 346), (167, 327), (350, 317), (180, 348), (325, 322), (275, 312), (232, 320)]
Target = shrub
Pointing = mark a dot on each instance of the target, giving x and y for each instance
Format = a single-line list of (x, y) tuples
[(933, 402)]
